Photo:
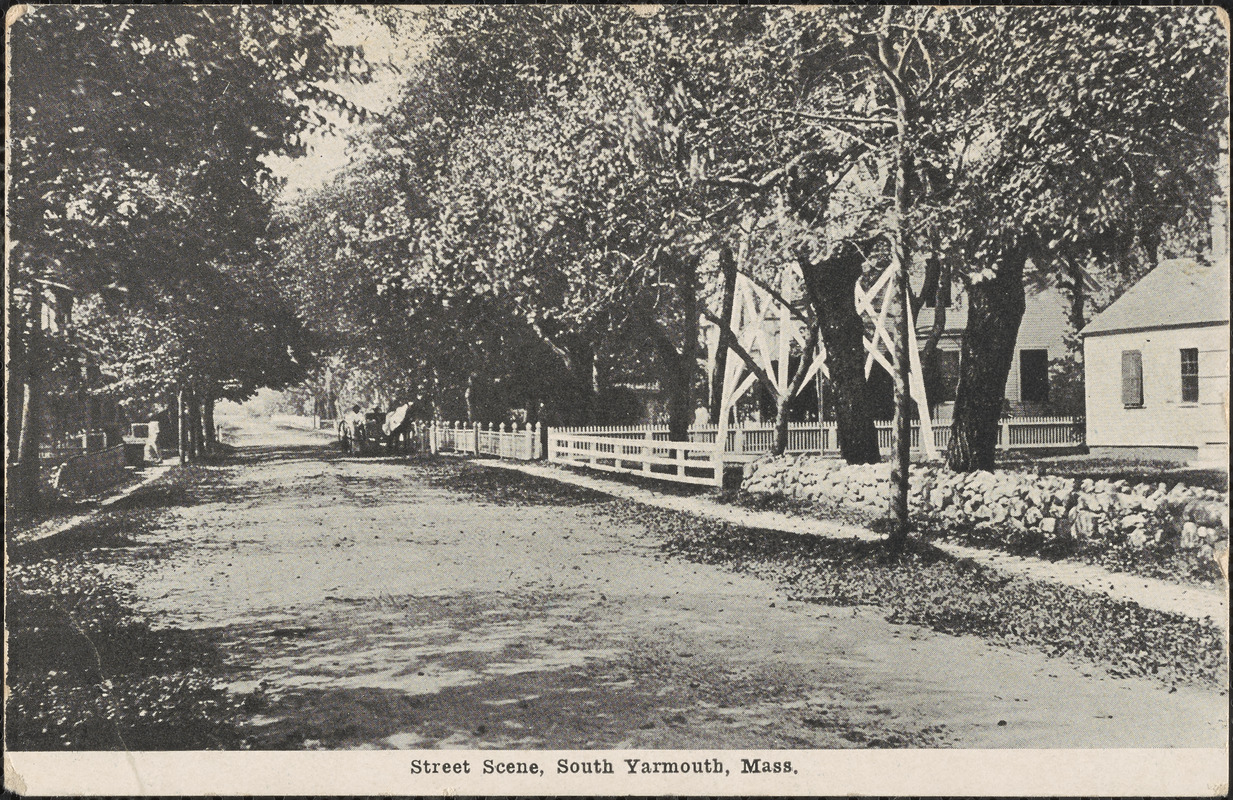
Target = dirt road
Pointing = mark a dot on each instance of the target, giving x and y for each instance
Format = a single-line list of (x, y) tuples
[(406, 604)]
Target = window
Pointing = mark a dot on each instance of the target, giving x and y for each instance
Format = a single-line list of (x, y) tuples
[(1034, 376), (1132, 379), (1190, 375), (947, 378)]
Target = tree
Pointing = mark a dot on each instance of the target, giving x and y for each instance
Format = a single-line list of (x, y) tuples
[(136, 148), (1055, 136), (1098, 129), (814, 157), (221, 340)]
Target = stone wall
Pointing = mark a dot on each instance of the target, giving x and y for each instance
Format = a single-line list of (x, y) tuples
[(1010, 502)]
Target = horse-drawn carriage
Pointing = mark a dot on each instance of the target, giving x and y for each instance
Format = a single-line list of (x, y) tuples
[(380, 432)]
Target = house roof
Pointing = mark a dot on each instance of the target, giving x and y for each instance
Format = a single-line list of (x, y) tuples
[(1177, 293)]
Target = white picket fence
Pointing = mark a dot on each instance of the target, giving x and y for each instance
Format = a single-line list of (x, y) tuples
[(680, 462), (486, 440)]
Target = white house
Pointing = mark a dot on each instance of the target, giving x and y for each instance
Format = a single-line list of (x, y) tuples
[(1157, 366)]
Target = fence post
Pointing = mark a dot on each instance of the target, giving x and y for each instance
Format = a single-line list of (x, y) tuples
[(477, 438), (648, 439), (1005, 444)]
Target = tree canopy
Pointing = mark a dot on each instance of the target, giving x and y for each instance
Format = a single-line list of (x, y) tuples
[(559, 194)]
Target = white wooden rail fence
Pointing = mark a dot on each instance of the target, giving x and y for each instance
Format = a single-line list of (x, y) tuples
[(681, 462), (1018, 433), (487, 439), (79, 444), (89, 473), (645, 449)]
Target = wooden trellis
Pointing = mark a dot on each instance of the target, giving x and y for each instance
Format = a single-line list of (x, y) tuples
[(751, 308)]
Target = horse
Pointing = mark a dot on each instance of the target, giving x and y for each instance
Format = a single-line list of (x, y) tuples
[(398, 427)]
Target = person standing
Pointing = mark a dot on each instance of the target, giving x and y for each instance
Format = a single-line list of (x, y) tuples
[(354, 423)]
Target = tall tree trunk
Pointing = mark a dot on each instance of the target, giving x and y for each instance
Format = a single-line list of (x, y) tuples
[(995, 309), (929, 350), (182, 425), (27, 493), (901, 428), (1078, 296), (689, 355), (830, 283), (194, 424), (203, 434), (899, 292), (207, 422), (780, 445), (438, 415), (727, 268), (678, 378), (900, 296), (680, 364), (17, 327), (794, 385), (468, 396)]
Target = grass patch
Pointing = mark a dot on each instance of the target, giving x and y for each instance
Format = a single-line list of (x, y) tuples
[(924, 586), (800, 507), (1164, 560), (504, 486), (87, 673), (60, 508), (1115, 469)]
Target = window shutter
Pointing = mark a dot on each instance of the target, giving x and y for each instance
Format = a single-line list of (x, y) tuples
[(1132, 378)]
